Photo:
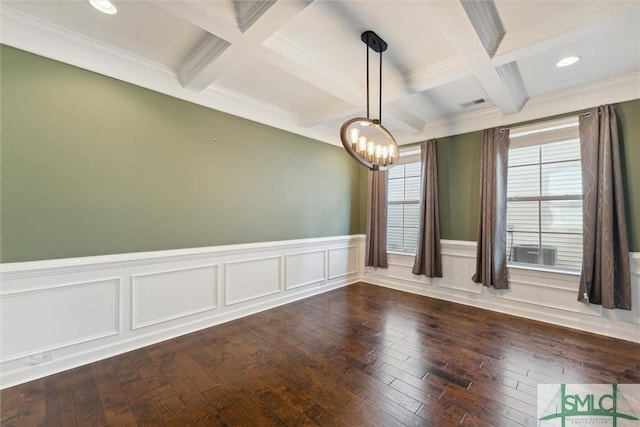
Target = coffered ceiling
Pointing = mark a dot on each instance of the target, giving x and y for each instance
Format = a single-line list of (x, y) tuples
[(451, 66)]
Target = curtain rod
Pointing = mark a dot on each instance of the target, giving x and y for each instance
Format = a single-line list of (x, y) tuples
[(587, 114)]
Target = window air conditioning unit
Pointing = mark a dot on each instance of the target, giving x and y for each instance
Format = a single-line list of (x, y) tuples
[(529, 254)]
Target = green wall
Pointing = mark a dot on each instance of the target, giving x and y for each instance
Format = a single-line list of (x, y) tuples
[(458, 185), (459, 171), (628, 114), (92, 165)]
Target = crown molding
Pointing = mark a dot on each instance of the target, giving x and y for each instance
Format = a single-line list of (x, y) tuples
[(25, 32), (231, 102)]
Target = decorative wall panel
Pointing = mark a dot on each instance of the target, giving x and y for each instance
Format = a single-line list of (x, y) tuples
[(343, 261), (304, 269), (168, 295), (53, 317), (252, 278)]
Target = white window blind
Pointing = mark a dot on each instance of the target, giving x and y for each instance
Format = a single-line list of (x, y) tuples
[(544, 196), (403, 204)]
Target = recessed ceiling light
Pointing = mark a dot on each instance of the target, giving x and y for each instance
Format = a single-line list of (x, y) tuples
[(569, 60), (104, 6)]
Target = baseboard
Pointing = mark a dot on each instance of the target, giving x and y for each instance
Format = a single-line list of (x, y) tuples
[(544, 296)]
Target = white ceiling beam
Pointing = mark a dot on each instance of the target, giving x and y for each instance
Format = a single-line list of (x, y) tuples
[(249, 11), (269, 23), (512, 79), (205, 52), (485, 19), (456, 26)]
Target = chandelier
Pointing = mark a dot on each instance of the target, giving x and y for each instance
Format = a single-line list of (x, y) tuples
[(365, 139)]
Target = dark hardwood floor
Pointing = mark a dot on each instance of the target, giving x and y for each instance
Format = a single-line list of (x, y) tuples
[(357, 356)]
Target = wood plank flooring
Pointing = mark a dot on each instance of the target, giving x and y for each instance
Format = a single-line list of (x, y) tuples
[(357, 356)]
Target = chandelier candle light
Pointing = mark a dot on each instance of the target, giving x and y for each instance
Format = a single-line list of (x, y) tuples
[(365, 139)]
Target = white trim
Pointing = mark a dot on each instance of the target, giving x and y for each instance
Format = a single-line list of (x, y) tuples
[(288, 262), (539, 295), (547, 296), (46, 277), (228, 302), (544, 127), (68, 265), (347, 272), (44, 291), (134, 296), (409, 155), (544, 132), (635, 263), (486, 21)]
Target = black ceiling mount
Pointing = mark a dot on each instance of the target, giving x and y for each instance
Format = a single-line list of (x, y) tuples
[(374, 41)]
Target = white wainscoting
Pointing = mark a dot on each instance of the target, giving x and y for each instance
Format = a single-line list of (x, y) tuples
[(306, 268), (167, 295), (252, 278), (63, 314), (545, 296), (343, 261), (59, 314)]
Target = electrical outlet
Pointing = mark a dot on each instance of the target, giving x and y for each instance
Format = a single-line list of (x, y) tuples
[(36, 359)]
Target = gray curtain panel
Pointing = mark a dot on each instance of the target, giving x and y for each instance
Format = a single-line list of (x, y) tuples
[(491, 253), (605, 278), (428, 259), (376, 244)]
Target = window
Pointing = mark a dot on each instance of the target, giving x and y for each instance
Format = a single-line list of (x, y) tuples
[(544, 196), (403, 209)]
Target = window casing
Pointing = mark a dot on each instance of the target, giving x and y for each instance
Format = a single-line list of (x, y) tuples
[(403, 203), (544, 196)]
